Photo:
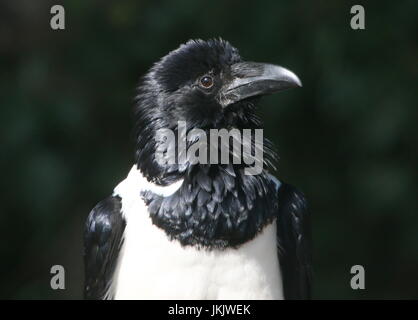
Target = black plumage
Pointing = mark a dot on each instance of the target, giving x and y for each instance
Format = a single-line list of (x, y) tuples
[(294, 240), (226, 216), (103, 239)]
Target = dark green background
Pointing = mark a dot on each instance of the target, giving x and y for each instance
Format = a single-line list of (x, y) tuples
[(348, 138)]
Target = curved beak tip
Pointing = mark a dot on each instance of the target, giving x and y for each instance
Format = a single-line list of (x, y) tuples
[(289, 76), (298, 82)]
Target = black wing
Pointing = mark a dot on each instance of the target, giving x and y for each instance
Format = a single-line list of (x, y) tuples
[(294, 243), (103, 238)]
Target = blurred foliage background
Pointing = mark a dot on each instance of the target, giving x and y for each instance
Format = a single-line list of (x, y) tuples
[(348, 138)]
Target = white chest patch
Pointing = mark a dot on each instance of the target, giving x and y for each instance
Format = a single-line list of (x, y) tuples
[(151, 266)]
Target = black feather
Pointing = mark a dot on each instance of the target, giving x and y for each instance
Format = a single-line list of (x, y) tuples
[(103, 238), (294, 239)]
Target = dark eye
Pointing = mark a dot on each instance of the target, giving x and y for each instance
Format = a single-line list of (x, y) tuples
[(206, 82)]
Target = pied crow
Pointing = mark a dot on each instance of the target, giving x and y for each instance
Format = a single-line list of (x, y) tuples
[(195, 230)]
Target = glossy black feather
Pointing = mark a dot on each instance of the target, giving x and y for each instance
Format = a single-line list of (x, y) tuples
[(102, 241), (233, 212), (294, 241)]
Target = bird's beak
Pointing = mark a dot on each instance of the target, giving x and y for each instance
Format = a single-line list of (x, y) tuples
[(249, 79)]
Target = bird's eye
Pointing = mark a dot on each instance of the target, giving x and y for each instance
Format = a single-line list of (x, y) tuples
[(206, 82)]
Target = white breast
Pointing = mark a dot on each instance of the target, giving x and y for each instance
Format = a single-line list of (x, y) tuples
[(151, 266)]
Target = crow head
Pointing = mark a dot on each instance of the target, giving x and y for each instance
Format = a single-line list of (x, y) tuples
[(207, 85)]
